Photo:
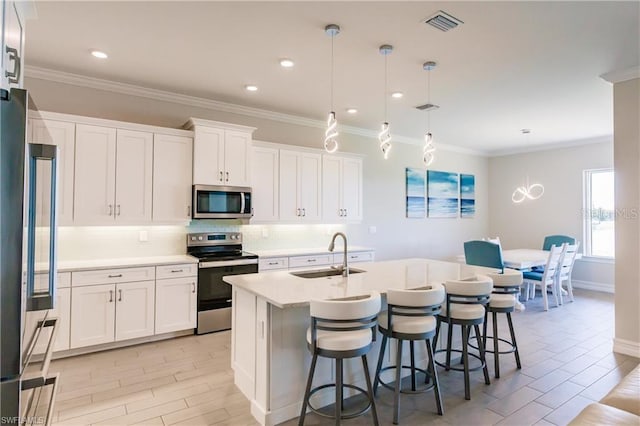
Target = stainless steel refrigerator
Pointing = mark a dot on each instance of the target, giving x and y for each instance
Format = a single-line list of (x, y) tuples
[(28, 227)]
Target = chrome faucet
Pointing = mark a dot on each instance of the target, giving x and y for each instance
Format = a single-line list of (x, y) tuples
[(345, 267)]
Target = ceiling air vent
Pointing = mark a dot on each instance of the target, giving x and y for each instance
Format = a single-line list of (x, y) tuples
[(443, 21), (427, 107)]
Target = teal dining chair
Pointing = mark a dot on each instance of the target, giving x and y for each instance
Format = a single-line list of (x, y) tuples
[(483, 253), (557, 240)]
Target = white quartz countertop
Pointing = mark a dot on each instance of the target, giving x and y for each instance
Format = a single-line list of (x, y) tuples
[(284, 290), (126, 262), (307, 251)]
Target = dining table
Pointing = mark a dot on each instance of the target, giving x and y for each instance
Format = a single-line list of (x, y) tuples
[(522, 259)]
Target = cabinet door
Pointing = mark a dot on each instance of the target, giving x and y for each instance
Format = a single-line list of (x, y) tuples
[(332, 210), (62, 134), (264, 184), (93, 311), (13, 37), (352, 188), (94, 183), (310, 184), (134, 175), (175, 304), (63, 312), (236, 158), (172, 161), (208, 156), (288, 182), (135, 306)]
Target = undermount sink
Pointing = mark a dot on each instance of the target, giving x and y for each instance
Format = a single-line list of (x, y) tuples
[(320, 273)]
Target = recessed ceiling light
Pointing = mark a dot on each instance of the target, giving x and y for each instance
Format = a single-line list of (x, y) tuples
[(98, 54), (397, 95), (286, 63), (352, 110), (251, 88)]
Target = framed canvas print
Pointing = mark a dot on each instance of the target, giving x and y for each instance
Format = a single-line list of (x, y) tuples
[(442, 194), (415, 181), (467, 195)]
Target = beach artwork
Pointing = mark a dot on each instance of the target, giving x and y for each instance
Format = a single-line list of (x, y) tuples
[(415, 193), (442, 191), (467, 195)]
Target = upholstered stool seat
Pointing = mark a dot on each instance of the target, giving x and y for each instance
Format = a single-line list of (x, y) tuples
[(341, 329), (465, 306), (410, 317), (502, 301)]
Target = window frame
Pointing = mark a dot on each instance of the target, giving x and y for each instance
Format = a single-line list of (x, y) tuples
[(587, 214)]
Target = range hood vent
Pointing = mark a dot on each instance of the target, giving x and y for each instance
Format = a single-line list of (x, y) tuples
[(427, 107), (443, 21)]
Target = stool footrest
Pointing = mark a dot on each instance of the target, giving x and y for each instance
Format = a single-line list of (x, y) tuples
[(491, 351), (456, 368), (344, 415), (421, 389)]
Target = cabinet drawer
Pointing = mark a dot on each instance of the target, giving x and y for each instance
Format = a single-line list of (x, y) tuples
[(302, 261), (363, 256), (273, 263), (107, 276), (42, 281), (177, 271)]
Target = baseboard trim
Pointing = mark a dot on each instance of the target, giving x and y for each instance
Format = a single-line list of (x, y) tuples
[(626, 347), (594, 286)]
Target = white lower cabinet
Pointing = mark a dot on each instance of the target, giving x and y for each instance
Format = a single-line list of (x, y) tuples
[(176, 304), (135, 308), (93, 313)]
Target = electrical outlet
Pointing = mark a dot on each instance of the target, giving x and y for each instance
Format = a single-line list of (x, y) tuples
[(373, 230), (265, 233), (144, 236)]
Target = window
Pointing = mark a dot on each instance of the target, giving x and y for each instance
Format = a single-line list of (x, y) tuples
[(599, 231)]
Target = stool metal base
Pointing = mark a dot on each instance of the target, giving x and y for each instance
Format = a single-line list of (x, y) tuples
[(343, 415), (496, 351), (420, 389)]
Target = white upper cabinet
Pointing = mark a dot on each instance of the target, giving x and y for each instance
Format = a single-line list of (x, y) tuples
[(300, 186), (221, 153), (95, 169), (134, 174), (341, 189), (62, 134), (264, 184), (172, 164), (12, 44), (113, 179)]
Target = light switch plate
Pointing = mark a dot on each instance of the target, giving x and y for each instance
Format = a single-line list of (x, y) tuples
[(144, 236), (373, 229)]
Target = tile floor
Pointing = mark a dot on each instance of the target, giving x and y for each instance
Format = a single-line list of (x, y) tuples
[(566, 355)]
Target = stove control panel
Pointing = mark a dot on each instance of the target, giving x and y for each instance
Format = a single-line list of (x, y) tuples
[(214, 238)]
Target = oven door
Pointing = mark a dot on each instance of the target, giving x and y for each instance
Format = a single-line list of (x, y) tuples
[(221, 202), (214, 295)]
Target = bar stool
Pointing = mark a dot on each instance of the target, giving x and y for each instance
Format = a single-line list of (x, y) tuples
[(465, 306), (342, 329), (506, 287), (410, 316)]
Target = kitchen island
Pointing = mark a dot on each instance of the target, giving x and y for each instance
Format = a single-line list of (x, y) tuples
[(270, 317)]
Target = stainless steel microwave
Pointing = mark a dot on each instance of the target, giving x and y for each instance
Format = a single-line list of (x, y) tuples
[(221, 202)]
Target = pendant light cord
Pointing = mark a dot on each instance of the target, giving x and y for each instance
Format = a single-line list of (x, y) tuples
[(386, 73), (429, 100), (332, 37)]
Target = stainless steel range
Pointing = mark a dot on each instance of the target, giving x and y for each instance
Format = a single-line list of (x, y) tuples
[(220, 254)]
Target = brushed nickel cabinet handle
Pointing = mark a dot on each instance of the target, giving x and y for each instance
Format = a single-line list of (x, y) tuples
[(193, 287), (118, 209), (188, 211), (115, 276), (110, 209), (110, 296), (227, 177), (175, 271), (304, 212), (220, 175), (119, 295), (13, 76)]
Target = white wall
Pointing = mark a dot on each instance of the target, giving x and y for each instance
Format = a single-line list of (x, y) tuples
[(559, 211), (384, 184)]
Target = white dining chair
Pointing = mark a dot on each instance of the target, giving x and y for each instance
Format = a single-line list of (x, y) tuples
[(565, 269), (547, 278)]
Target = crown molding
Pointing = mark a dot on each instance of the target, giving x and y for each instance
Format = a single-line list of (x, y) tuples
[(210, 104), (552, 146), (619, 76)]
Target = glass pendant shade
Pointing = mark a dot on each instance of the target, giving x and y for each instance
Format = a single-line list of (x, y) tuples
[(385, 140), (428, 151)]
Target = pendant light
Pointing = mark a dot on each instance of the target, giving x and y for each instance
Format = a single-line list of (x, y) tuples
[(385, 136), (527, 191), (429, 150), (330, 135)]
